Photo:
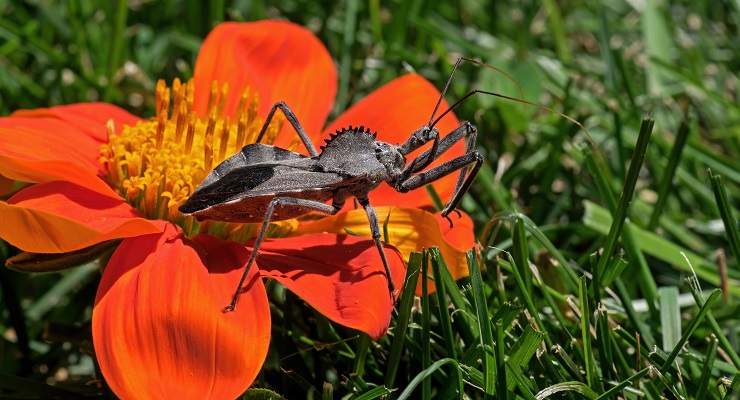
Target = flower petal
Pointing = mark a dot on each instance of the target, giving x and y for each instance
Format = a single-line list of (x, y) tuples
[(158, 328), (395, 110), (340, 276), (87, 118), (58, 143), (57, 217), (278, 59), (409, 229)]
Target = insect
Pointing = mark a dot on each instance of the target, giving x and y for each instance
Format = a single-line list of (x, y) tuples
[(263, 183)]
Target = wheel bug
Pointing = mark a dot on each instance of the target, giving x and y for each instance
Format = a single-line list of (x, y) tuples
[(263, 183)]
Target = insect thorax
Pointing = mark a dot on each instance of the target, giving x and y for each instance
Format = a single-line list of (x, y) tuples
[(354, 152)]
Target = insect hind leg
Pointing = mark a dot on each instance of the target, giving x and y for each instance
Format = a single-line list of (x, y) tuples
[(278, 201), (375, 229)]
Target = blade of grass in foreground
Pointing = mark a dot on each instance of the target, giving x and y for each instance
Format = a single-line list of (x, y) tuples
[(598, 219), (426, 351), (406, 394), (374, 393), (588, 356), (720, 194), (724, 343), (404, 314), (114, 55), (444, 317), (484, 326), (621, 385), (670, 316), (577, 387), (441, 291), (625, 199), (501, 384), (694, 324), (669, 174), (521, 253), (701, 388)]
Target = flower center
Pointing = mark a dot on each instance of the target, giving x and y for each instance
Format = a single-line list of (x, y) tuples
[(158, 162)]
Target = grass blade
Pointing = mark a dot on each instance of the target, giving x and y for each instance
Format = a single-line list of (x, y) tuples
[(669, 174), (577, 387), (670, 316), (521, 253), (426, 351), (701, 389), (692, 327), (724, 343), (116, 48), (601, 175), (374, 393), (404, 315), (588, 355), (621, 385), (484, 326), (625, 199), (438, 265), (501, 384), (598, 219), (406, 394), (723, 203)]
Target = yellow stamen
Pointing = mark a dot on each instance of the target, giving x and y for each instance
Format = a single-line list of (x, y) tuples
[(224, 139), (157, 163), (208, 142)]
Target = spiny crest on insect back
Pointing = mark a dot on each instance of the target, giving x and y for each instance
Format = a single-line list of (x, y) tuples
[(359, 133)]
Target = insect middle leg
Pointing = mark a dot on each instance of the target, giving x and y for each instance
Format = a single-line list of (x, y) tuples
[(278, 201), (462, 162), (293, 122), (375, 229)]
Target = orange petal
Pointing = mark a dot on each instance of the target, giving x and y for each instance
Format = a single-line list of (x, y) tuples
[(58, 143), (87, 118), (409, 229), (57, 217), (395, 111), (278, 59), (158, 328), (340, 276)]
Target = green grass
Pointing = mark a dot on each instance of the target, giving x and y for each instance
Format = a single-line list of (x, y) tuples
[(598, 270)]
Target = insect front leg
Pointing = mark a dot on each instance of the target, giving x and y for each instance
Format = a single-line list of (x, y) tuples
[(293, 122), (278, 201), (459, 163), (464, 130), (375, 229)]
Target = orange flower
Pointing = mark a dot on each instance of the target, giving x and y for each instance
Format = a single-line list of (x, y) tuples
[(102, 174)]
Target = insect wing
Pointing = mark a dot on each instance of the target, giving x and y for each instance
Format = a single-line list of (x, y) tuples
[(251, 154)]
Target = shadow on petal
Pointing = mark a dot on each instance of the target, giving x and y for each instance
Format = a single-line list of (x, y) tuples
[(158, 328), (340, 276), (409, 229)]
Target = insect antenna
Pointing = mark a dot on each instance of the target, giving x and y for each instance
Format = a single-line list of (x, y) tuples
[(452, 75), (432, 121)]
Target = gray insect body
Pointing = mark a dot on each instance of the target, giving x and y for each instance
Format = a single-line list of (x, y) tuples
[(264, 183), (241, 188)]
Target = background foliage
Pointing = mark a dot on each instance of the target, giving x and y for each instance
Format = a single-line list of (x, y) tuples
[(549, 314)]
